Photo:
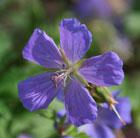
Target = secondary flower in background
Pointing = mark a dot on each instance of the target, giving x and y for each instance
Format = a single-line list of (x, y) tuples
[(61, 123), (70, 72), (88, 8), (107, 24), (24, 136), (100, 8), (107, 120)]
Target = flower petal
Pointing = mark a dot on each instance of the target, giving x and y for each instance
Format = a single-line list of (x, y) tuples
[(37, 92), (41, 49), (96, 130), (75, 39), (108, 117), (80, 106), (103, 70), (124, 109), (60, 96)]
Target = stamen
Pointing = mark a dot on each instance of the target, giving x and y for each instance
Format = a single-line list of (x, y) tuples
[(62, 74), (61, 71), (69, 77), (118, 115), (59, 77)]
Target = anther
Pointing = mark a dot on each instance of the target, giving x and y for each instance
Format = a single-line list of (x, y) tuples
[(57, 78)]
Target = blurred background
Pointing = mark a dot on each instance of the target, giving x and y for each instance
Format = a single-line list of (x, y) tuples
[(115, 25)]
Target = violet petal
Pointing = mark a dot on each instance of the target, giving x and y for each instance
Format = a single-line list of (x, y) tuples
[(75, 39), (37, 92), (96, 130), (41, 49), (80, 106), (108, 117), (103, 70)]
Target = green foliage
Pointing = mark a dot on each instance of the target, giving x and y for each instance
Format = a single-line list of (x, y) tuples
[(132, 24), (18, 20), (5, 42)]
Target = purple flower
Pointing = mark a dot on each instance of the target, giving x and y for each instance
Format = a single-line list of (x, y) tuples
[(67, 137), (60, 122), (100, 8), (123, 107), (24, 136), (97, 130), (107, 119), (87, 8), (71, 73), (61, 113)]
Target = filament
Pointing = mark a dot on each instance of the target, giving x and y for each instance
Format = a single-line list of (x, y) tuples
[(118, 115)]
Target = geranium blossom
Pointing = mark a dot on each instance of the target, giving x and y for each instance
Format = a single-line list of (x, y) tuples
[(70, 74)]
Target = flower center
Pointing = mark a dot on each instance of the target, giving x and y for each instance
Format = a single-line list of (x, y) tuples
[(62, 75), (70, 69)]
